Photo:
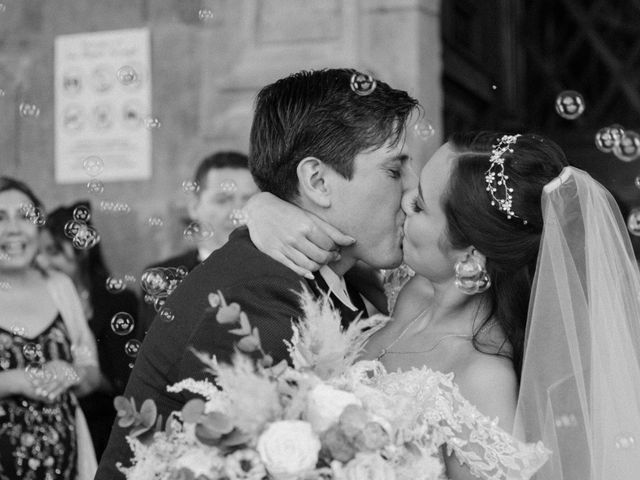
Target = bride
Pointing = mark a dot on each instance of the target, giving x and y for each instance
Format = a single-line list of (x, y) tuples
[(525, 289)]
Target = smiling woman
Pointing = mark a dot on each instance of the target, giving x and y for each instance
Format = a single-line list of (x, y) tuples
[(47, 353)]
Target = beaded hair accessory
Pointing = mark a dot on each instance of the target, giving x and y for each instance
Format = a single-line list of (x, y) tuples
[(496, 178)]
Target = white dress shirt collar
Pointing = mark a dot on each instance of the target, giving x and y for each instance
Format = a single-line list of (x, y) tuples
[(337, 286)]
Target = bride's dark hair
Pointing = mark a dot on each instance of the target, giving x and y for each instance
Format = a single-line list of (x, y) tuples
[(509, 244)]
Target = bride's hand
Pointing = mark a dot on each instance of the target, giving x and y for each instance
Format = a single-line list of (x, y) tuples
[(296, 238)]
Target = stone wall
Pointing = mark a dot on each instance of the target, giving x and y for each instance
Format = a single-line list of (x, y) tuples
[(205, 74)]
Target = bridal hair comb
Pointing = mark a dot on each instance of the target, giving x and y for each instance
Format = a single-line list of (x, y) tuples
[(496, 178)]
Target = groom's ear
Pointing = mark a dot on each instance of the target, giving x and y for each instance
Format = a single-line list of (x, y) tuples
[(313, 181)]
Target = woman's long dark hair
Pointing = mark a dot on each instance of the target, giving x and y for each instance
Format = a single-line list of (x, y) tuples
[(509, 245), (92, 264), (8, 183)]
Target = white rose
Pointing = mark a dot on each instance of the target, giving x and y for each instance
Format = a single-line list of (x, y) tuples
[(368, 466), (325, 404), (288, 448)]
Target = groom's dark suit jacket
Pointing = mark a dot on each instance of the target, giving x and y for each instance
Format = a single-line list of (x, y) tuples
[(265, 291)]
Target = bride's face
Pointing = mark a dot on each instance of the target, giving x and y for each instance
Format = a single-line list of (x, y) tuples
[(426, 248)]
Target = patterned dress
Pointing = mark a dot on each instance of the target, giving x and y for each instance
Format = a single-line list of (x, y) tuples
[(37, 439)]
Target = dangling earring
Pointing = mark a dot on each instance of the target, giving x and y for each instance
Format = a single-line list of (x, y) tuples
[(471, 276)]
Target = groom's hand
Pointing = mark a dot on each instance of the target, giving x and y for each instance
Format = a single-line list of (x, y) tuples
[(298, 239)]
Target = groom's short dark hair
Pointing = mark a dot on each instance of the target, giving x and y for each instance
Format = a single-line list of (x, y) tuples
[(316, 113)]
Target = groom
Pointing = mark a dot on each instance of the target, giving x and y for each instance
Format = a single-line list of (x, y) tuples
[(322, 144)]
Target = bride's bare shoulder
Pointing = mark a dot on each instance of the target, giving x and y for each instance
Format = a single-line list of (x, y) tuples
[(490, 383)]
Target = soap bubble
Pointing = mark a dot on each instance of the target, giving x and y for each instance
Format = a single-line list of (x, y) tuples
[(152, 123), (122, 323), (85, 238), (121, 207), (238, 217), (182, 271), (633, 222), (71, 228), (608, 137), (570, 104), (81, 214), (205, 14), (362, 84), (423, 130), (115, 285), (127, 75), (628, 148), (166, 314), (197, 232), (95, 186), (228, 186), (93, 165), (155, 221), (17, 331), (625, 441), (29, 110), (158, 303), (37, 217), (34, 214), (115, 208), (132, 347), (189, 186), (153, 281)]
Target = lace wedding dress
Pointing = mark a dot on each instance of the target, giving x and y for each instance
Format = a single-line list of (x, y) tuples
[(421, 396)]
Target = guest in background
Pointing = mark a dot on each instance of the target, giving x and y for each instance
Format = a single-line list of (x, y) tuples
[(222, 187), (102, 298), (47, 354)]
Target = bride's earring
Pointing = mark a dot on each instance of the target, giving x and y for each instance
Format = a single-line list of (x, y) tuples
[(471, 276)]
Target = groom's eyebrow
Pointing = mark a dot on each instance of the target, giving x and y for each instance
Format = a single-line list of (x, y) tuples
[(402, 158)]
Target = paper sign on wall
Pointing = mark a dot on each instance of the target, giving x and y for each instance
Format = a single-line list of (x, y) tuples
[(103, 106)]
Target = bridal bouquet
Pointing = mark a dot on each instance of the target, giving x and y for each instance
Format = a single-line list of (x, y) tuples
[(320, 419)]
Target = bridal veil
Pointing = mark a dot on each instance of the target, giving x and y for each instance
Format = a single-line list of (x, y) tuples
[(580, 387)]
